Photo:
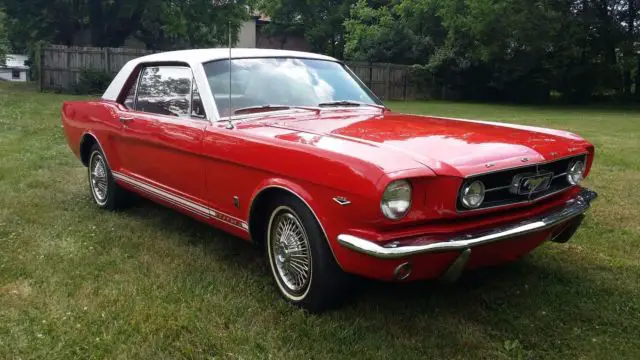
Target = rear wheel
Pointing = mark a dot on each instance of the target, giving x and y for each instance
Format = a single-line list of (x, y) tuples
[(105, 192), (300, 259)]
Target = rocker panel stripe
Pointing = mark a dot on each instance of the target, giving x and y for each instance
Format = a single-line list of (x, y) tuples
[(181, 202)]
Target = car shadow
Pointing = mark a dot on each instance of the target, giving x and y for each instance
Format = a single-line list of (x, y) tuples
[(216, 243), (547, 294)]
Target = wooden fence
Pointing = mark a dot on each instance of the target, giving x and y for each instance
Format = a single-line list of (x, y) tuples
[(388, 81), (59, 68)]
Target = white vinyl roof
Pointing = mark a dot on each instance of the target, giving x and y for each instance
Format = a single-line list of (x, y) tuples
[(206, 55), (197, 57)]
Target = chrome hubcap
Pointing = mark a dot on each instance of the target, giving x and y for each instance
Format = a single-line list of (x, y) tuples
[(290, 250), (98, 178)]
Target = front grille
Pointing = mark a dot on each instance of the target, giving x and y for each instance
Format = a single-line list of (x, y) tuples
[(500, 189)]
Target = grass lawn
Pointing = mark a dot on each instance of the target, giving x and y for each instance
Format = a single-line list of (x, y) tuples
[(77, 282)]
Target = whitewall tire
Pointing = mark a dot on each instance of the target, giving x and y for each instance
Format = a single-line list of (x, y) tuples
[(301, 262)]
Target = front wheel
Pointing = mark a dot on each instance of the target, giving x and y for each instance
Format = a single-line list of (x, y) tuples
[(300, 259)]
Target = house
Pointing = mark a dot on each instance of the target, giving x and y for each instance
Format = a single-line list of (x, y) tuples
[(15, 68), (253, 35)]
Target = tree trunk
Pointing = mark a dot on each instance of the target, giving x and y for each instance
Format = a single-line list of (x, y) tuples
[(627, 82), (638, 78), (629, 47)]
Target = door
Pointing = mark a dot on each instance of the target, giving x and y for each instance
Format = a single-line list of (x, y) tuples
[(160, 142)]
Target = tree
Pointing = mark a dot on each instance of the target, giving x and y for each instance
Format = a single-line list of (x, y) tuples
[(500, 49), (30, 21), (321, 22), (517, 50), (108, 23), (112, 22), (4, 40), (630, 48), (161, 24), (192, 23), (400, 32)]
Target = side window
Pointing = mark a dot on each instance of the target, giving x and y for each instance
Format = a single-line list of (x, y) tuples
[(130, 100), (165, 90), (197, 109)]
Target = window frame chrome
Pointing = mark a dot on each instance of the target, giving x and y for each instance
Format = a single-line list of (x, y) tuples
[(139, 71), (218, 119)]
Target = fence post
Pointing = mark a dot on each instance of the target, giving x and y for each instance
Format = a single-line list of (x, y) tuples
[(107, 61), (387, 82), (406, 79), (40, 67), (71, 77)]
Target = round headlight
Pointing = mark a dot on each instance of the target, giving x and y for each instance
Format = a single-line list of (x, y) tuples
[(575, 172), (396, 200), (472, 194)]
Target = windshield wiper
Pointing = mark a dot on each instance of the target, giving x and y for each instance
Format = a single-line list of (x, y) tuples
[(351, 103), (250, 109), (271, 107)]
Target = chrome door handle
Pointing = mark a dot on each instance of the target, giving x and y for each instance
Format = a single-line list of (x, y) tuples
[(124, 119)]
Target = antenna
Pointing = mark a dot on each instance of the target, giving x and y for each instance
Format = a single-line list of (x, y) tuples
[(230, 124)]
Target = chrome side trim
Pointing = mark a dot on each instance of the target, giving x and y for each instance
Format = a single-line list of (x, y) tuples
[(573, 208), (159, 192), (181, 202)]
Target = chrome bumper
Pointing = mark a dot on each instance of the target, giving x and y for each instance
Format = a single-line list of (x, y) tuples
[(573, 208)]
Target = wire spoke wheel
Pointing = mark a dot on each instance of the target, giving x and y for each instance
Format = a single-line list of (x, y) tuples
[(289, 250), (98, 178)]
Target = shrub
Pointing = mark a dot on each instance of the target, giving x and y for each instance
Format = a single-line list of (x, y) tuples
[(92, 82), (421, 77)]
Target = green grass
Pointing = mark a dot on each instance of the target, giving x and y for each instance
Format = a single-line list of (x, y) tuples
[(77, 282)]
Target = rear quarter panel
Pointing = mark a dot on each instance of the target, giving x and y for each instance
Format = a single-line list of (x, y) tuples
[(91, 117)]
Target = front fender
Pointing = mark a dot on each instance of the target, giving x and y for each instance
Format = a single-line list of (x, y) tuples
[(332, 217)]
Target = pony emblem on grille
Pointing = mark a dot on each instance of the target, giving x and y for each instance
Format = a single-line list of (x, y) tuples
[(527, 184)]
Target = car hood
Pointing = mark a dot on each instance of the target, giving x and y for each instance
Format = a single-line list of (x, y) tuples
[(447, 146)]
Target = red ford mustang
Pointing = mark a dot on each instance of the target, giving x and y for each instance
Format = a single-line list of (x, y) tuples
[(291, 151)]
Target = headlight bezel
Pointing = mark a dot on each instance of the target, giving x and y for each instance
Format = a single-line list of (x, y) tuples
[(385, 207), (464, 192), (570, 175)]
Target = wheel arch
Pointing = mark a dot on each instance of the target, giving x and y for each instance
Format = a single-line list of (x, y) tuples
[(87, 141), (257, 217)]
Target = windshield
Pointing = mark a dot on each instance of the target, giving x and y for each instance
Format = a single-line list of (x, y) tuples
[(283, 81)]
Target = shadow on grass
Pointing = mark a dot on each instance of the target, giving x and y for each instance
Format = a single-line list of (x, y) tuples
[(552, 294), (219, 245)]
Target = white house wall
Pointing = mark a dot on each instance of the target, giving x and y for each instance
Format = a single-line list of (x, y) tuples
[(7, 75), (247, 35)]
